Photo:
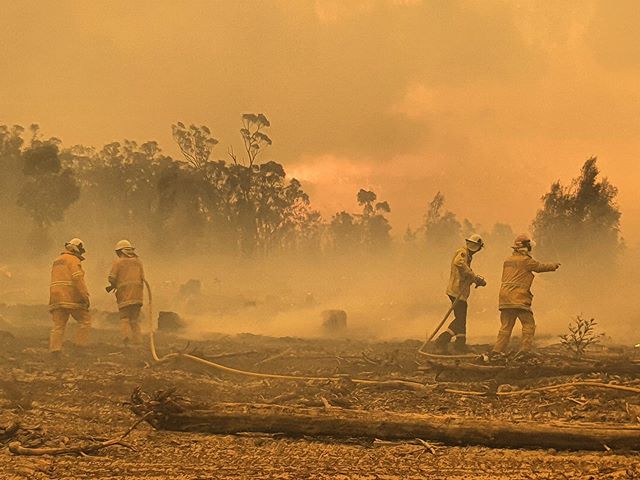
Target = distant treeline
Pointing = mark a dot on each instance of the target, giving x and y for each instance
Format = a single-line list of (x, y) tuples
[(242, 205)]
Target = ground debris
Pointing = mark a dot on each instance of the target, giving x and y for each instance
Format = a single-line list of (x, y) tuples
[(81, 399)]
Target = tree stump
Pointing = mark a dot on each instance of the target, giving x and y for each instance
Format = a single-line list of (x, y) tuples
[(334, 322), (170, 322)]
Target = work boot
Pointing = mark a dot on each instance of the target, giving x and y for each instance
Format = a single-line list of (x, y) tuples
[(58, 361), (495, 358), (80, 351), (441, 343), (460, 346)]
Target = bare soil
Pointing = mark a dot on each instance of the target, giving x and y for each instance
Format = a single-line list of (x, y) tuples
[(83, 398)]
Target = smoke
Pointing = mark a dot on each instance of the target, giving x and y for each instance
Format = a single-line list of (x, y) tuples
[(394, 295)]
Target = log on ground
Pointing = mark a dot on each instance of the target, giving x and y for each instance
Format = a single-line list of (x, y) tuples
[(462, 370), (177, 414)]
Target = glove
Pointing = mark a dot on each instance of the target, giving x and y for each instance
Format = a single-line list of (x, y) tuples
[(481, 282)]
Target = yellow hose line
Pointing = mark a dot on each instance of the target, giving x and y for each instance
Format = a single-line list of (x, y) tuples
[(202, 361), (465, 356), (154, 353), (404, 383), (152, 343)]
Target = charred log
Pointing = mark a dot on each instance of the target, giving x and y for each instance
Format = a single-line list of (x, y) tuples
[(168, 411)]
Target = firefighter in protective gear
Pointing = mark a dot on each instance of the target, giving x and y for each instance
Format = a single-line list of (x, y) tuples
[(458, 291), (515, 294), (127, 279), (68, 296)]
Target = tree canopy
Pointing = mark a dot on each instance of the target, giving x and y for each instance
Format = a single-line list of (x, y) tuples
[(580, 222)]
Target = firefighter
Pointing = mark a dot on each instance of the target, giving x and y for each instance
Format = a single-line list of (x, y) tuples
[(69, 296), (127, 279), (460, 281), (515, 294)]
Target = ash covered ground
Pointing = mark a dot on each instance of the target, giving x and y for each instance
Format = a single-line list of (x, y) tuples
[(84, 397)]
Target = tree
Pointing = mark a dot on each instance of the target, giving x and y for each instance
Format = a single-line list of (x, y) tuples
[(410, 236), (345, 232), (500, 237), (375, 226), (442, 229), (368, 230), (199, 199), (49, 189), (580, 222), (119, 189), (365, 199), (195, 143), (253, 138), (12, 225), (246, 205), (131, 189)]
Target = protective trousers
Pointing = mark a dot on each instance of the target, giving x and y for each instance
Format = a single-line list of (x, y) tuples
[(60, 316), (508, 318), (130, 318), (458, 327)]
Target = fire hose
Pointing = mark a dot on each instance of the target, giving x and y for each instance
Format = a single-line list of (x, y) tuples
[(417, 386), (217, 366)]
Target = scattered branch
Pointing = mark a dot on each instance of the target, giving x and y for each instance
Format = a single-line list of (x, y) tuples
[(17, 449)]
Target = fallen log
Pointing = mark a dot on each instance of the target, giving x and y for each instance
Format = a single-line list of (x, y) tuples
[(170, 412), (508, 372)]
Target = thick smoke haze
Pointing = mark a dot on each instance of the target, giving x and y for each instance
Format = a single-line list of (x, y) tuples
[(488, 102)]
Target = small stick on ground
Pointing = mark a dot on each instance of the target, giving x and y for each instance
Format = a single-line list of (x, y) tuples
[(326, 403), (273, 357), (17, 449), (230, 355), (429, 446)]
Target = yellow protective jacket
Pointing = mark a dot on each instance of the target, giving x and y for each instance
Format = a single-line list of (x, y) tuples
[(461, 276), (517, 277), (67, 289), (127, 276)]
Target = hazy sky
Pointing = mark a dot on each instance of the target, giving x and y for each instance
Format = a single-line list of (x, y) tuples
[(488, 101)]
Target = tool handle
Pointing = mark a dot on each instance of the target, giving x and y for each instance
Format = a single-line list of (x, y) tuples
[(444, 319)]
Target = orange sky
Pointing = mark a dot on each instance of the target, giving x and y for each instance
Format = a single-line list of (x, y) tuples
[(487, 101)]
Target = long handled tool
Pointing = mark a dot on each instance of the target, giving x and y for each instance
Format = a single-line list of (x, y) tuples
[(444, 319), (437, 329)]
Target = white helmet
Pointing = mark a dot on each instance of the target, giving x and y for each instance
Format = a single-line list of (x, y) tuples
[(474, 242), (122, 244), (75, 245)]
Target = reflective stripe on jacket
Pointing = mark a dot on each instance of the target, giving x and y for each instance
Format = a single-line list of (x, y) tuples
[(67, 288), (517, 277), (461, 276), (127, 276)]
